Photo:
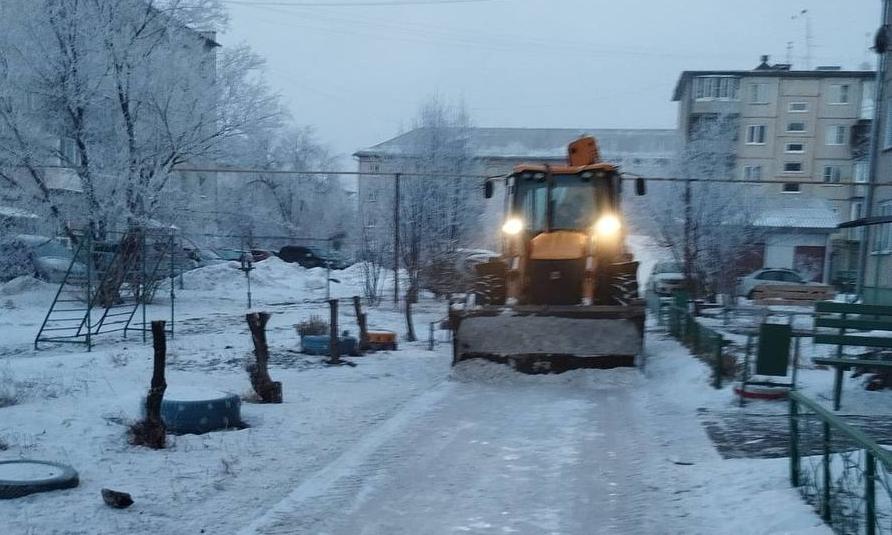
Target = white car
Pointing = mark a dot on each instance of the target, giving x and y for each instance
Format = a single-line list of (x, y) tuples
[(666, 277), (767, 276)]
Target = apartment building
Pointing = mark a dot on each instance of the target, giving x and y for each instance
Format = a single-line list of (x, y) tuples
[(792, 126)]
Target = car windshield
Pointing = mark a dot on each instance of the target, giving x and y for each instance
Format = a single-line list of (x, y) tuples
[(572, 197)]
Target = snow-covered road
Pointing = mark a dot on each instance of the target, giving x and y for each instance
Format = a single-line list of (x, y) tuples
[(480, 454)]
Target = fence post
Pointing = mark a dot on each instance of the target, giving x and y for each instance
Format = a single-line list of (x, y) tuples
[(870, 492), (794, 442), (825, 498), (719, 364), (91, 251), (430, 340)]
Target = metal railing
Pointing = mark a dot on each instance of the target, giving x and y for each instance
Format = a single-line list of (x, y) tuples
[(839, 470), (706, 343)]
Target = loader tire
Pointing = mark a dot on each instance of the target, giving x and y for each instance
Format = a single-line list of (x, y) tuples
[(618, 285)]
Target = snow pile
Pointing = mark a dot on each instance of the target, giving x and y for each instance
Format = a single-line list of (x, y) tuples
[(23, 284), (488, 372)]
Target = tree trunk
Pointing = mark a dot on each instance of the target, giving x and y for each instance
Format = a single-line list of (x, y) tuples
[(268, 390), (334, 347), (361, 322), (411, 296), (151, 431)]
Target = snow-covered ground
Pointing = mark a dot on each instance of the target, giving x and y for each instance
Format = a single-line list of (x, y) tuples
[(400, 443)]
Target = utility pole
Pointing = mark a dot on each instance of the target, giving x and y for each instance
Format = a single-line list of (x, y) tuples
[(688, 237), (878, 113), (396, 239)]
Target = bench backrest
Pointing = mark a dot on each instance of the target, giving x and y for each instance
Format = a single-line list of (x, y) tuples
[(852, 317)]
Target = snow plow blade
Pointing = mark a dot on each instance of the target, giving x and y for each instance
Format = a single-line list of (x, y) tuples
[(551, 339)]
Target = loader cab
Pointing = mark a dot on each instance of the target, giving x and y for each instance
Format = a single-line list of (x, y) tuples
[(563, 223), (544, 199)]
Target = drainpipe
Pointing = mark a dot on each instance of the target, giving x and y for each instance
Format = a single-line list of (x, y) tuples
[(878, 109)]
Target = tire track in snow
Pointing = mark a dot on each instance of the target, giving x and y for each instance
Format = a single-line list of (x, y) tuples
[(345, 477)]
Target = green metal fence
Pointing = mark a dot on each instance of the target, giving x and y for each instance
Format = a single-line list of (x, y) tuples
[(706, 343), (657, 306), (838, 469)]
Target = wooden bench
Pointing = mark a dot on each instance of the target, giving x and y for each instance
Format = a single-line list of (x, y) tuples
[(846, 317)]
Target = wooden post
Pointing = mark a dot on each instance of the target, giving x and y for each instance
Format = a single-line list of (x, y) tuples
[(334, 346), (151, 431), (363, 325), (269, 391)]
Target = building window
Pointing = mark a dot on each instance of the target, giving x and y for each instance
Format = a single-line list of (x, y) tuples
[(758, 93), (68, 153), (372, 195), (832, 174), (884, 231), (868, 94), (370, 222), (839, 94), (793, 167), (860, 171), (716, 87), (796, 127), (791, 187), (752, 172), (835, 135), (375, 167), (798, 107), (755, 134), (795, 148), (856, 212)]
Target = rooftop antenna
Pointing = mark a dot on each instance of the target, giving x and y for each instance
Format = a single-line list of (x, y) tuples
[(804, 15), (789, 52)]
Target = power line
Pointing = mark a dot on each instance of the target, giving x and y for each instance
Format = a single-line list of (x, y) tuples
[(626, 176), (374, 3)]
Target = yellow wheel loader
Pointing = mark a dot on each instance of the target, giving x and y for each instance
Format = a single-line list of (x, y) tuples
[(564, 293)]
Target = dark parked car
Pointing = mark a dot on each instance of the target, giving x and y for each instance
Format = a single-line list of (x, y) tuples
[(308, 258), (40, 256), (261, 254)]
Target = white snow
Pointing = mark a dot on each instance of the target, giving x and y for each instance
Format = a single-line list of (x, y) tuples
[(400, 443)]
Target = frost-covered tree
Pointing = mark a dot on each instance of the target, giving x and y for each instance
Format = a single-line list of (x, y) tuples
[(439, 206), (119, 93), (300, 206), (710, 227)]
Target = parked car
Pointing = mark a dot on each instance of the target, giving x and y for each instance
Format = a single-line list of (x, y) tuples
[(666, 277), (767, 276), (258, 255), (230, 255), (43, 257), (309, 258), (203, 257)]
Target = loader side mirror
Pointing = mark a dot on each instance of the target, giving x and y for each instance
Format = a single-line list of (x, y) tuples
[(487, 189), (640, 186)]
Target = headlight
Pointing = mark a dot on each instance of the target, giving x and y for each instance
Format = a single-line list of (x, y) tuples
[(608, 225), (512, 226)]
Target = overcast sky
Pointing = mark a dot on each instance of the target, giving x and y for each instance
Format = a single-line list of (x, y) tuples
[(358, 74)]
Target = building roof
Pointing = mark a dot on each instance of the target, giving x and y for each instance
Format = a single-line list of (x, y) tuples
[(540, 143), (800, 212), (687, 76)]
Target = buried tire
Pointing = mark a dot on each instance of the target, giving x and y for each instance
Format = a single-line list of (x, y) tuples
[(197, 414), (23, 477)]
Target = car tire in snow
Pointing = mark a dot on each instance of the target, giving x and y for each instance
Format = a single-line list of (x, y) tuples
[(23, 477), (197, 416)]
